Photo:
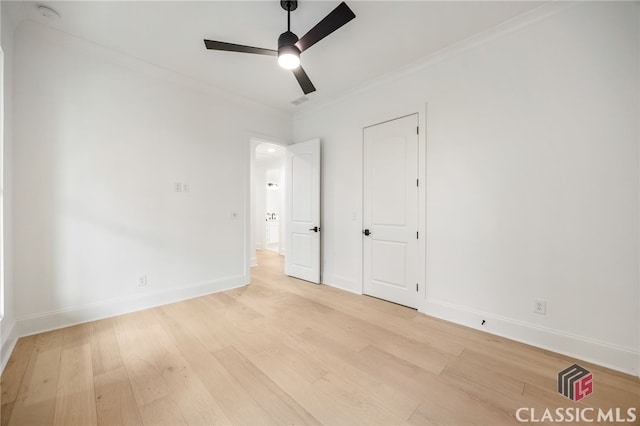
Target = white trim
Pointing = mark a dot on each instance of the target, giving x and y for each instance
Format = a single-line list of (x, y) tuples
[(590, 350), (422, 206), (342, 283), (9, 340), (94, 311), (500, 30), (149, 69)]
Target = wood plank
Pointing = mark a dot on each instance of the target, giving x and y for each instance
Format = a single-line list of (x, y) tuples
[(15, 369), (75, 336), (469, 369), (295, 361), (189, 394), (162, 412), (105, 353), (75, 398), (329, 398), (5, 413), (206, 324), (238, 405), (345, 363), (115, 402), (141, 358), (271, 397), (36, 400), (168, 371), (337, 401), (521, 369)]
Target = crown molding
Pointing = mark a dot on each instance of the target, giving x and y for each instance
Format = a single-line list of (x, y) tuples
[(503, 29)]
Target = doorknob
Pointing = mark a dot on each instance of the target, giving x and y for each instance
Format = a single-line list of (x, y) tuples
[(366, 232), (314, 229)]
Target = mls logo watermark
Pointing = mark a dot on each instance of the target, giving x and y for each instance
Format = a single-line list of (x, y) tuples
[(575, 382)]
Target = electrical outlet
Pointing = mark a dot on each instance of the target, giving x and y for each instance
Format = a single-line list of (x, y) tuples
[(540, 306), (142, 280), (185, 187), (177, 186)]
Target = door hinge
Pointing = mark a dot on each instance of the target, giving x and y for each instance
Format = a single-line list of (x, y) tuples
[(416, 286), (418, 130), (417, 235), (418, 182)]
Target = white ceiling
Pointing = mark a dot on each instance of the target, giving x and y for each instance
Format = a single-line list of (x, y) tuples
[(385, 36)]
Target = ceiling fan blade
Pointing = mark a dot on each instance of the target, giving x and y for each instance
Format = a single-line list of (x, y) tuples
[(304, 81), (334, 20), (230, 47)]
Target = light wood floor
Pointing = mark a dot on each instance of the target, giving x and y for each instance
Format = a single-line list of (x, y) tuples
[(283, 351)]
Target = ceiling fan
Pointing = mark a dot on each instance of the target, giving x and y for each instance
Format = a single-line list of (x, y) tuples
[(289, 46)]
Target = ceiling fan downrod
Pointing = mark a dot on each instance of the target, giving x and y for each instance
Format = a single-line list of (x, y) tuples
[(289, 5), (287, 40)]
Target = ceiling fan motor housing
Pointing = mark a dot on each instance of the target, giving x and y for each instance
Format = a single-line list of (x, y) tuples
[(287, 43)]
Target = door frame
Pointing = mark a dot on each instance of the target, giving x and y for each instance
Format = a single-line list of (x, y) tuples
[(421, 112), (249, 241)]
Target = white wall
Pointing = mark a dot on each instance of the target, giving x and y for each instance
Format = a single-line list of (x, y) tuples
[(7, 327), (532, 183), (531, 179), (100, 141)]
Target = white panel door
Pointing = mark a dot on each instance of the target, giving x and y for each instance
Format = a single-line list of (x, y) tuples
[(302, 177), (390, 211)]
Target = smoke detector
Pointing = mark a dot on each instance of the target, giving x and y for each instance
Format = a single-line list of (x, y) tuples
[(48, 13)]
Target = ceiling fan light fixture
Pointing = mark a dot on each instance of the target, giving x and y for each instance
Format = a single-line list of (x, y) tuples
[(288, 53), (289, 58), (289, 46)]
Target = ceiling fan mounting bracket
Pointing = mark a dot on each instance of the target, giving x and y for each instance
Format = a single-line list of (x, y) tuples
[(289, 5)]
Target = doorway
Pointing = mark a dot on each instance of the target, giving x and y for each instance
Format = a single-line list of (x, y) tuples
[(267, 199), (284, 206), (390, 211)]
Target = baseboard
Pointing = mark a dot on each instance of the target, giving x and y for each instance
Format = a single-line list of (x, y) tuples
[(118, 306), (342, 283), (9, 339), (622, 359), (253, 261)]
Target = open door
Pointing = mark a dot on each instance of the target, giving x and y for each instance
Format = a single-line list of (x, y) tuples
[(302, 178)]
